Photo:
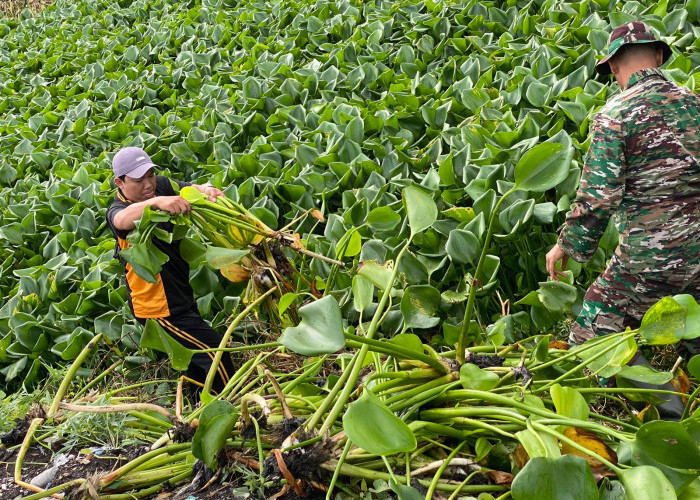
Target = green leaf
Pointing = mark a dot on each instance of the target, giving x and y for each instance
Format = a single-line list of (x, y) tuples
[(143, 260), (644, 373), (564, 478), (409, 341), (377, 274), (355, 130), (285, 301), (421, 209), (215, 425), (538, 94), (362, 293), (418, 305), (538, 444), (349, 245), (664, 323), (543, 167), (320, 330), (569, 402), (383, 219), (609, 363), (460, 214), (462, 246), (667, 443), (694, 366), (646, 483), (473, 377), (370, 425), (220, 258), (557, 296), (154, 337)]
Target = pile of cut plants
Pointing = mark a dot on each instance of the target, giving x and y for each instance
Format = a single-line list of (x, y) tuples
[(394, 174), (493, 420)]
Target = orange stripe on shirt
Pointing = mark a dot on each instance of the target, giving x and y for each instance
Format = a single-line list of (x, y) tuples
[(147, 299)]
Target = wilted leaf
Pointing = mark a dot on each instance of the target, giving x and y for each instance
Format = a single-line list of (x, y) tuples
[(590, 441)]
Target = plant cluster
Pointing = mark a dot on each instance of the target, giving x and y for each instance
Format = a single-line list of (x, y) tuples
[(410, 162)]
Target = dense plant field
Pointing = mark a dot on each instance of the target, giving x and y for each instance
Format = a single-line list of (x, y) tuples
[(420, 144)]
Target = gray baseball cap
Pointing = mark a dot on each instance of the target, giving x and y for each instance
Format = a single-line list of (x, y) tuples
[(132, 161)]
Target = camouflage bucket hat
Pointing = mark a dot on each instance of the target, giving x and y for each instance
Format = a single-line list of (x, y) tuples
[(626, 34)]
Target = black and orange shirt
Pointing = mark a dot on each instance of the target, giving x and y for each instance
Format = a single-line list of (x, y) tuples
[(172, 294)]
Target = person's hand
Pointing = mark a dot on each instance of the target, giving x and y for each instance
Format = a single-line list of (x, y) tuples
[(555, 255), (212, 192), (173, 204)]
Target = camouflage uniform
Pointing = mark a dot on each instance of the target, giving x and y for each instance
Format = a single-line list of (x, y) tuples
[(642, 166)]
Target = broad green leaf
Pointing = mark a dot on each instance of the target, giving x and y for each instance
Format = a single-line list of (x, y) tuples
[(564, 478), (421, 209), (664, 323), (349, 245), (569, 402), (404, 492), (692, 315), (462, 246), (191, 194), (538, 94), (370, 425), (460, 214), (154, 337), (538, 444), (667, 443), (320, 330), (418, 306), (543, 167), (646, 374), (215, 425), (220, 258), (383, 219), (377, 274), (557, 296), (646, 483), (473, 377), (409, 341), (609, 363)]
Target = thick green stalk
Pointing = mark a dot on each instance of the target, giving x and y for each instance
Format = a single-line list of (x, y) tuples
[(397, 351), (464, 331), (65, 383), (149, 491), (336, 472), (583, 363), (359, 472), (360, 355), (465, 394), (224, 340)]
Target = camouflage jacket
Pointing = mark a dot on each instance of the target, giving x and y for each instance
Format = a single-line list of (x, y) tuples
[(642, 167)]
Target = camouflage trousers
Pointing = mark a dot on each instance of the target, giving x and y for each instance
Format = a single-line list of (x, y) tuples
[(619, 299)]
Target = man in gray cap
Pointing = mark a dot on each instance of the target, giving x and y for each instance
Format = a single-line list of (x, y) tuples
[(642, 168), (169, 301)]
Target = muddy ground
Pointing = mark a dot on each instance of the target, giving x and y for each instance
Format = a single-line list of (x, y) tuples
[(82, 465)]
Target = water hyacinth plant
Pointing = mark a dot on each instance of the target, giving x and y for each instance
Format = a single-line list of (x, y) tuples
[(433, 148)]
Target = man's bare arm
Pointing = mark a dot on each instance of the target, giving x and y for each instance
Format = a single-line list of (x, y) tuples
[(125, 219)]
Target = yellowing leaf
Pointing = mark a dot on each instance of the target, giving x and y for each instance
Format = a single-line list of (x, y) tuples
[(590, 441), (235, 273)]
